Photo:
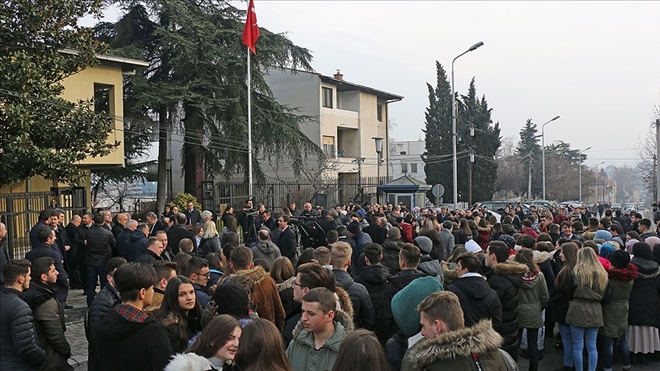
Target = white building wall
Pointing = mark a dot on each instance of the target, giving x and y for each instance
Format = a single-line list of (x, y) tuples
[(406, 155)]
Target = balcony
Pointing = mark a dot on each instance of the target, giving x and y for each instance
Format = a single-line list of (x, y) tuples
[(339, 118)]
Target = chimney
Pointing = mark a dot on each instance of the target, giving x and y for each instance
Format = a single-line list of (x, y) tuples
[(338, 75)]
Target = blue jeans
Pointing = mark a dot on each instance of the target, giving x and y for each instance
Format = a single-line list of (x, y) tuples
[(608, 349), (94, 272), (580, 335), (567, 341)]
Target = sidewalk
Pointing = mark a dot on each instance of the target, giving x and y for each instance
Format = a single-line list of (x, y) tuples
[(75, 329)]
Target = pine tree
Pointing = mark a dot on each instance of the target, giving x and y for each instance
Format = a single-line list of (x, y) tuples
[(438, 164), (529, 146)]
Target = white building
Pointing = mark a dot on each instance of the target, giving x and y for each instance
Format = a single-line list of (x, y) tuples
[(405, 158)]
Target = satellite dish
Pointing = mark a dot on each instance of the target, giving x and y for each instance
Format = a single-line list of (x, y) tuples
[(438, 190)]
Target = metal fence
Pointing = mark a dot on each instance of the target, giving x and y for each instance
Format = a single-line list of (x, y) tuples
[(277, 195), (20, 212)]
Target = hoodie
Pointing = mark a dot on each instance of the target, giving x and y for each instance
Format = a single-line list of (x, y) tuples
[(373, 278), (478, 300), (128, 339), (135, 246), (266, 250)]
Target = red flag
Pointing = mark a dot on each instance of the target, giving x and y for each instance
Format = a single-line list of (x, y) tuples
[(251, 30)]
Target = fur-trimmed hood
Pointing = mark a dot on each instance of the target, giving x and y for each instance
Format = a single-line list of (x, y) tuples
[(626, 274), (256, 274), (286, 284), (480, 338), (510, 267), (450, 274), (343, 315), (483, 229), (541, 256), (189, 362)]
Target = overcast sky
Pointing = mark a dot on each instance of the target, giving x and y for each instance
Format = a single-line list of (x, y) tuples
[(596, 64)]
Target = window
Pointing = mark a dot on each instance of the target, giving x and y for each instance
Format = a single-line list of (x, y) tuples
[(404, 167), (102, 98), (413, 168), (327, 97), (379, 112), (329, 146)]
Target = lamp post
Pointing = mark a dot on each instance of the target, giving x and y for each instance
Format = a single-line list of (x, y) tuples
[(543, 150), (580, 172), (453, 123), (379, 149)]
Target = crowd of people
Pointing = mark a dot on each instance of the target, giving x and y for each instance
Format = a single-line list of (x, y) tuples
[(373, 287)]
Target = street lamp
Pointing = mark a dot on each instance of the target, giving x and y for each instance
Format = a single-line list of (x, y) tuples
[(543, 150), (379, 149), (453, 123), (580, 172)]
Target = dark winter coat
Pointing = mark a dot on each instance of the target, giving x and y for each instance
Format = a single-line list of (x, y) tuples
[(364, 315), (285, 289), (49, 324), (455, 351), (177, 233), (432, 268), (448, 241), (645, 295), (103, 303), (615, 313), (192, 328), (121, 241), (478, 301), (377, 233), (544, 260), (34, 233), (391, 249), (361, 239), (506, 280), (18, 339), (135, 246), (121, 344), (386, 325), (438, 250), (100, 243), (373, 278), (61, 286), (148, 257), (4, 257), (209, 245), (288, 244)]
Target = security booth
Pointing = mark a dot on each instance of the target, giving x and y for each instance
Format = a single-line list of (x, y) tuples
[(406, 191)]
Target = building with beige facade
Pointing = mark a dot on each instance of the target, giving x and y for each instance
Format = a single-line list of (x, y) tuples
[(348, 118)]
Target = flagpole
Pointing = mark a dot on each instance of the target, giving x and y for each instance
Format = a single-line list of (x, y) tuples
[(249, 113)]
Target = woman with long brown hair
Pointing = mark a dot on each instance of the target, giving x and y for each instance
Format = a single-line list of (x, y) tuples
[(180, 312), (261, 348), (360, 350)]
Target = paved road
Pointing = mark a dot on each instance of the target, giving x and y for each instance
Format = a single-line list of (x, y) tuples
[(75, 334)]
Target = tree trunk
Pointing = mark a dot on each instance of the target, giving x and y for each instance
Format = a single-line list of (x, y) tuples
[(192, 139), (163, 126)]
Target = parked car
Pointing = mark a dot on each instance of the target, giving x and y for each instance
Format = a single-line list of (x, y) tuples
[(541, 203), (498, 206)]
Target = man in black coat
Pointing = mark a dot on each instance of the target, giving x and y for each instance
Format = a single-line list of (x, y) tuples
[(409, 258), (377, 232), (100, 243), (46, 236), (286, 239), (73, 235), (506, 278), (127, 338), (122, 238), (48, 217), (105, 300), (153, 253), (48, 313), (363, 309), (178, 232), (17, 352), (136, 244), (120, 224), (192, 215), (477, 299), (4, 250), (374, 275)]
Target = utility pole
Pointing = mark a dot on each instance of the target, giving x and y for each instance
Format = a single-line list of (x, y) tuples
[(529, 180)]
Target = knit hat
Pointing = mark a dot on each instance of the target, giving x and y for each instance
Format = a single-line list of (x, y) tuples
[(361, 213), (508, 240), (619, 259), (642, 250), (354, 227), (405, 302), (605, 250), (602, 234), (473, 247), (424, 243), (629, 245)]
